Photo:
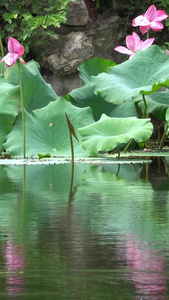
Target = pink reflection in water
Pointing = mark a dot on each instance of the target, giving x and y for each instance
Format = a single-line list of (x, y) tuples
[(145, 267), (15, 266)]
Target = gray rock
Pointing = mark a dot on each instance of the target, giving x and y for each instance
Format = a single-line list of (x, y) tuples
[(79, 40), (77, 14), (77, 48), (63, 84)]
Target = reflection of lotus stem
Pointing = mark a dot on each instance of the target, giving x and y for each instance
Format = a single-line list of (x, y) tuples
[(23, 200), (128, 145), (22, 109), (2, 54), (72, 160), (147, 171), (163, 138), (145, 108), (118, 170)]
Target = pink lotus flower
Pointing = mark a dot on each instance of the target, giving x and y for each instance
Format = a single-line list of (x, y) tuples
[(134, 44), (151, 19), (16, 50)]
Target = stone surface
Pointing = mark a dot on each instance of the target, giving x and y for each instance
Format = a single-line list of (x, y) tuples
[(77, 14), (79, 40), (63, 84), (121, 5), (76, 49)]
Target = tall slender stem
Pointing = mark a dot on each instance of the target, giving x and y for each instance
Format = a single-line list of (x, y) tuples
[(2, 54), (22, 110), (145, 108), (148, 34), (71, 133), (164, 137), (128, 145), (159, 133)]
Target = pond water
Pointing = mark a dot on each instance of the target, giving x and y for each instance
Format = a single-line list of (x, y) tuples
[(106, 238)]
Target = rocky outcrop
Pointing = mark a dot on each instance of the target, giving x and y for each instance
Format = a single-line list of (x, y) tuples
[(78, 40), (77, 48), (78, 14)]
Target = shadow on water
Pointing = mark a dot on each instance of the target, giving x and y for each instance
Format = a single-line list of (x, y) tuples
[(103, 237)]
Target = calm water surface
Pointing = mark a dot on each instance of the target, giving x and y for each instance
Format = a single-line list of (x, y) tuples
[(106, 239)]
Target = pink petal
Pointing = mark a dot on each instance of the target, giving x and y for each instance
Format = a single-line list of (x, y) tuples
[(147, 43), (160, 15), (140, 21), (15, 47), (156, 26), (123, 50), (131, 55), (22, 61), (139, 46), (167, 51), (130, 42), (144, 29), (10, 59), (136, 37), (150, 13)]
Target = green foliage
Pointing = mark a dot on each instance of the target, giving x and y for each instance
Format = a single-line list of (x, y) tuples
[(27, 20), (144, 74), (47, 130), (37, 93), (135, 88), (108, 133), (9, 106), (46, 126), (112, 107)]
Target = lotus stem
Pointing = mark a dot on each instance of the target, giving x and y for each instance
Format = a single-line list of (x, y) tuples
[(2, 54), (145, 107), (159, 134), (71, 131), (22, 110), (148, 34), (128, 145), (163, 138)]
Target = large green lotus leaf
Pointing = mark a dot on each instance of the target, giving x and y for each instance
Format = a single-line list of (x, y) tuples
[(126, 109), (145, 73), (47, 130), (9, 107), (167, 121), (93, 67), (157, 104), (84, 96), (36, 92), (108, 133)]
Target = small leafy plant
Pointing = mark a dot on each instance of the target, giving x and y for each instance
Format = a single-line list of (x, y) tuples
[(28, 20)]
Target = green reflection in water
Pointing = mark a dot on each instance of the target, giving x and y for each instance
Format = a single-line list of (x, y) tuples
[(109, 242)]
